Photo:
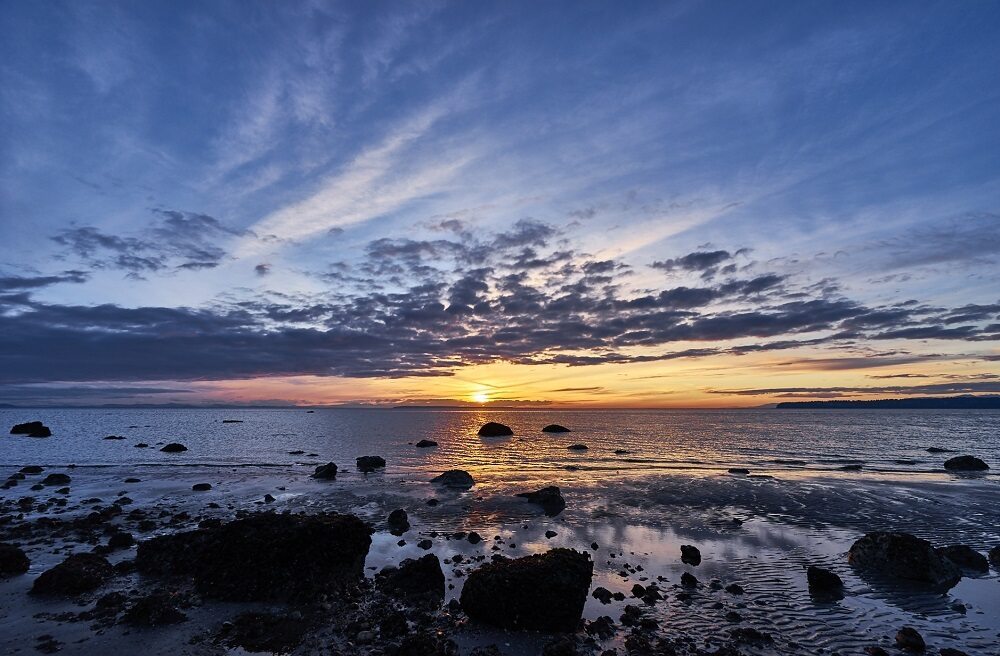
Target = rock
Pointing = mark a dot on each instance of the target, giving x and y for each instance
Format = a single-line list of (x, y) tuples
[(115, 437), (735, 589), (201, 487), (909, 639), (265, 632), (174, 447), (31, 429), (561, 646), (689, 580), (602, 594), (937, 449), (965, 557), (456, 478), (949, 651), (874, 650), (549, 498), (577, 447), (232, 421), (77, 574), (13, 560), (31, 469), (133, 480), (268, 498), (823, 581), (423, 444), (739, 470), (56, 479), (965, 463), (690, 555), (474, 538), (622, 452), (327, 471), (141, 445), (904, 556), (544, 592), (399, 523), (264, 556), (393, 625), (555, 428), (368, 464), (751, 636), (493, 429), (156, 609), (425, 544), (121, 540), (414, 578), (550, 534), (995, 556)]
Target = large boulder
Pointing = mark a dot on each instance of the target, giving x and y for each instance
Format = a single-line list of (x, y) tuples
[(456, 478), (264, 556), (903, 556), (77, 574), (965, 463), (965, 557), (368, 464), (493, 429), (543, 592), (549, 498), (555, 428), (31, 429), (414, 578), (13, 560)]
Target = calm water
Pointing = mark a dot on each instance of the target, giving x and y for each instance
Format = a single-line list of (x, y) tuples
[(773, 440)]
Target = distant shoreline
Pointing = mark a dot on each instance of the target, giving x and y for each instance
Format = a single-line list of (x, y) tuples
[(922, 403)]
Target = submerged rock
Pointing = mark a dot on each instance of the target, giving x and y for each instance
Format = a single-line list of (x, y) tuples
[(543, 592), (368, 464), (493, 429), (577, 447), (174, 447), (904, 556), (56, 479), (823, 581), (327, 471), (31, 429), (549, 498), (423, 444), (77, 574), (965, 557), (690, 555), (965, 463), (264, 556), (456, 478), (414, 578), (555, 428), (909, 639), (13, 560)]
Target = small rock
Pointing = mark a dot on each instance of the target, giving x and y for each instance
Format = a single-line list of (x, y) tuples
[(201, 487), (423, 444), (268, 498), (549, 498), (493, 429), (689, 580), (327, 471), (155, 610), (690, 555), (174, 447), (555, 428), (602, 594), (368, 464), (13, 560), (550, 534), (577, 447), (909, 639), (398, 521), (56, 479), (823, 580), (455, 478), (739, 470)]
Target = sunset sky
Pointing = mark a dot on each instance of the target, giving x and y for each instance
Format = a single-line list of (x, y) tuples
[(683, 204)]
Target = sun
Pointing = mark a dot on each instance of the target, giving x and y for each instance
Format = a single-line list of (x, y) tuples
[(480, 397)]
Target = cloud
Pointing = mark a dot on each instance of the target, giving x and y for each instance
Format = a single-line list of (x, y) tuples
[(262, 269), (933, 389), (21, 283)]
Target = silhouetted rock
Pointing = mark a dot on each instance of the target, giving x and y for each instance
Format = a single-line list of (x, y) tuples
[(156, 609), (398, 522), (689, 580), (904, 556), (423, 444), (823, 581), (965, 557), (602, 594), (31, 469), (327, 471), (368, 464), (174, 447), (265, 632), (909, 639), (995, 556), (555, 428), (121, 540), (456, 478), (31, 429), (549, 498), (201, 487), (690, 555), (493, 429), (937, 449), (56, 479), (965, 463), (739, 470), (77, 574), (114, 437), (544, 592), (577, 447), (414, 578), (13, 560), (232, 421), (264, 556)]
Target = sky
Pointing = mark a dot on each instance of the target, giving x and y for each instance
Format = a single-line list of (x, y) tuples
[(586, 204)]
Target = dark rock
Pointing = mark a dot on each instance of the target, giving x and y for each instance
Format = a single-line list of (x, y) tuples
[(550, 534), (368, 464), (232, 421), (689, 580), (965, 557), (735, 589), (965, 463), (852, 467), (555, 428), (327, 471), (141, 445), (115, 437), (690, 555), (909, 639), (577, 447), (268, 498), (456, 478), (425, 544), (544, 592), (414, 578), (549, 498), (264, 556), (904, 556), (156, 609), (874, 650), (602, 594), (77, 574), (31, 469), (31, 429), (937, 449), (265, 632), (493, 429), (13, 560), (823, 580), (950, 651), (561, 646), (121, 540), (751, 636), (995, 556), (132, 480), (393, 625), (201, 487), (423, 644), (622, 452), (56, 479), (398, 521), (423, 444), (739, 470), (474, 538), (174, 447), (603, 627)]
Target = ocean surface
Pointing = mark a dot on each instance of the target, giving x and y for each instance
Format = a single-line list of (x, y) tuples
[(799, 506)]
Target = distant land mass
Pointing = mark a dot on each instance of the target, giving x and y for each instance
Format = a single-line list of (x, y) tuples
[(921, 403)]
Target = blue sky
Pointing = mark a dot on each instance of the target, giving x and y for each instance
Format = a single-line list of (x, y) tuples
[(286, 160)]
